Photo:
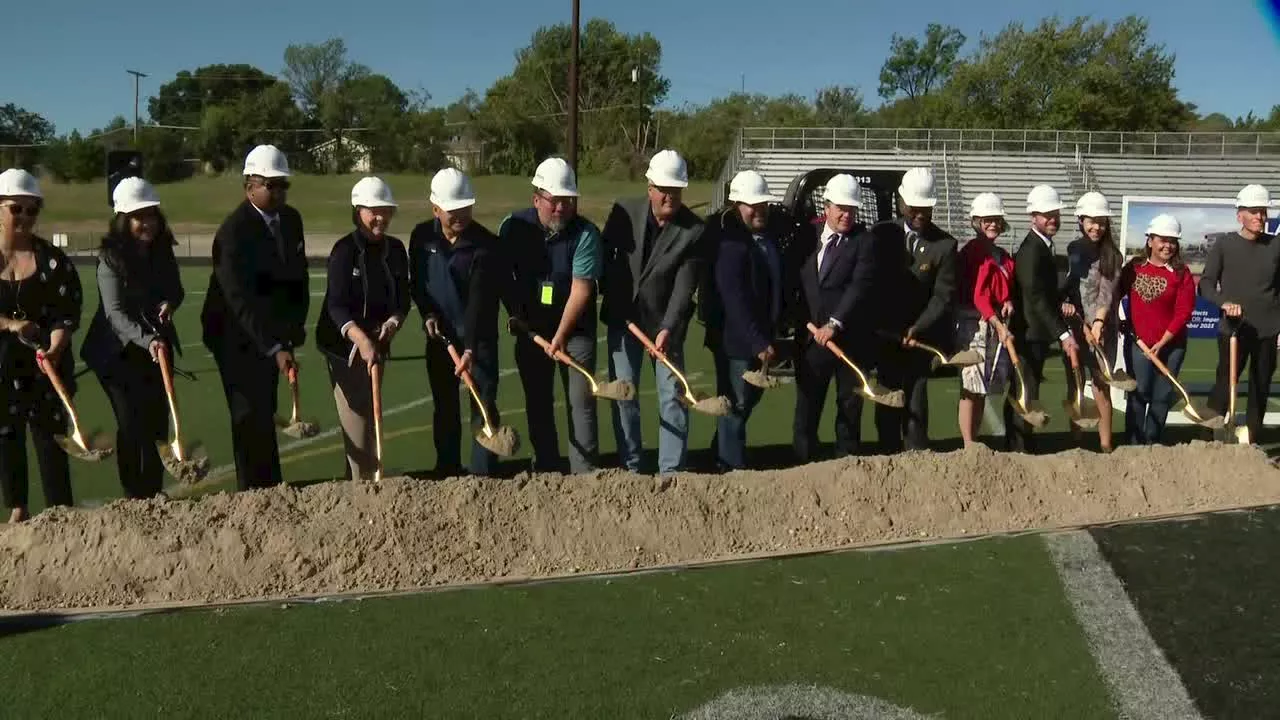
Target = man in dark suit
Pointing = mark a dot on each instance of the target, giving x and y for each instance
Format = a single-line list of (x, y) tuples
[(836, 284), (1037, 316), (255, 311), (652, 264), (743, 303), (919, 274)]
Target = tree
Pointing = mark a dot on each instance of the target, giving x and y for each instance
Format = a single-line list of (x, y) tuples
[(228, 131), (704, 135), (315, 71), (1081, 75), (913, 68), (74, 158), (373, 102), (19, 126), (183, 100), (839, 106)]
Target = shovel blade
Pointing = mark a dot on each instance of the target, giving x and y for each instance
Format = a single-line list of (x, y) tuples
[(965, 358), (616, 390), (1084, 416), (760, 380), (1122, 381), (877, 393)]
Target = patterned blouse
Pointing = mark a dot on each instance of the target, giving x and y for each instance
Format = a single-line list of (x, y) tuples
[(51, 298)]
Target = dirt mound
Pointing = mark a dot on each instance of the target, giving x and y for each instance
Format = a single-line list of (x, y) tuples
[(402, 534)]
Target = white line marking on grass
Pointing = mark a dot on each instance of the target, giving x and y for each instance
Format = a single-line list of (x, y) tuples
[(1143, 684)]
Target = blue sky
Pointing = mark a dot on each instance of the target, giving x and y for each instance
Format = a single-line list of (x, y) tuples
[(73, 53)]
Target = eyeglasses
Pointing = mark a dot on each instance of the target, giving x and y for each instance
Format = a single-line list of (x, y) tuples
[(554, 201), (18, 210)]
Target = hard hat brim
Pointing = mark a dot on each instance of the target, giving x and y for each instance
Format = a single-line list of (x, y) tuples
[(751, 199), (917, 200), (1044, 208), (665, 181), (842, 200), (556, 191), (266, 173), (451, 205), (126, 208), (375, 204)]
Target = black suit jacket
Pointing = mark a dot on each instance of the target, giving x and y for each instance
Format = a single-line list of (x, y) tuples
[(657, 295), (922, 285), (744, 291), (845, 290), (1037, 315), (257, 299)]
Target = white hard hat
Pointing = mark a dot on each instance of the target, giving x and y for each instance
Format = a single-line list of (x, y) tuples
[(1165, 225), (1093, 204), (750, 187), (918, 188), (266, 161), (987, 205), (1043, 199), (667, 169), (133, 194), (842, 189), (555, 177), (1253, 196), (372, 192), (16, 182), (451, 190)]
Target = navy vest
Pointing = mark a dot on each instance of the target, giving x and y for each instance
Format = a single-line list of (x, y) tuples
[(538, 260)]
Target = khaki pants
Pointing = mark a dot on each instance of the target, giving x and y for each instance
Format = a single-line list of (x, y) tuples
[(353, 394)]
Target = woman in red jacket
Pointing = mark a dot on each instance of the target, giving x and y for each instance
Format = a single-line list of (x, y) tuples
[(1162, 295), (983, 311)]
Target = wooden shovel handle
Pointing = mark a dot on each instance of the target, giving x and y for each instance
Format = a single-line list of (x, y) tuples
[(59, 388), (835, 349), (375, 381), (466, 375), (644, 340), (166, 375), (1013, 354)]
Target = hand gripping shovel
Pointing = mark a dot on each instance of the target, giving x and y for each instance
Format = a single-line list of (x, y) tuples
[(964, 358), (375, 381), (296, 427), (1082, 410), (1118, 379), (718, 406), (174, 455), (1194, 413), (873, 391), (502, 440), (1029, 410), (76, 446), (610, 390)]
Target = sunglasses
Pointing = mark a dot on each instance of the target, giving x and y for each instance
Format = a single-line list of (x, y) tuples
[(273, 185), (18, 210)]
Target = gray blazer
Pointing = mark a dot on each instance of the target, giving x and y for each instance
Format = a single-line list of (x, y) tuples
[(657, 295), (129, 304)]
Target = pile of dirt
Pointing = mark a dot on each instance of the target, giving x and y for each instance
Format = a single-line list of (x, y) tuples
[(403, 534)]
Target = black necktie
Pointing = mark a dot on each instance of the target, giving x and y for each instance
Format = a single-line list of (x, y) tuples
[(273, 225), (833, 246)]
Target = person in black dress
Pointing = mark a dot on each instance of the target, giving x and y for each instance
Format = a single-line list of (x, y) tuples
[(139, 289), (39, 309)]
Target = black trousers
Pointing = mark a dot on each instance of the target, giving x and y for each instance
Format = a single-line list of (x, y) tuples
[(908, 370), (447, 413), (815, 367), (136, 392), (250, 381), (1258, 354), (55, 468), (1018, 435)]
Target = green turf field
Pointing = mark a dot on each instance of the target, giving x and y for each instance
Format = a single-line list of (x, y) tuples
[(407, 406), (974, 630)]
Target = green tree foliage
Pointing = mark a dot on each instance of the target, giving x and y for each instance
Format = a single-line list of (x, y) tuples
[(914, 68), (19, 126)]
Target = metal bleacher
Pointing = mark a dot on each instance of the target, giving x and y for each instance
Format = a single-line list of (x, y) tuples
[(1010, 162)]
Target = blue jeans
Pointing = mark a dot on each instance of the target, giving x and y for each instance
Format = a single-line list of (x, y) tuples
[(731, 430), (626, 361), (1148, 406)]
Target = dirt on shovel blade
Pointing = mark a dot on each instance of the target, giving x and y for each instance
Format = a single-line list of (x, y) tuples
[(718, 406), (301, 429), (504, 443), (616, 390), (402, 534)]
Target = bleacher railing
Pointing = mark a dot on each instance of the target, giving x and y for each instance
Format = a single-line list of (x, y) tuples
[(1039, 142)]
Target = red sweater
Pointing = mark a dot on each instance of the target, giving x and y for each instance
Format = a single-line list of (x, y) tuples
[(1160, 300), (985, 281)]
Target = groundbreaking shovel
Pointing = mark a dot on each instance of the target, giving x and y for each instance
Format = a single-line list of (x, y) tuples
[(296, 427), (610, 390), (962, 359), (1193, 412), (718, 406), (502, 440), (375, 380), (1234, 433), (1118, 379), (76, 446), (174, 454), (1029, 410), (872, 391), (761, 378), (1082, 411)]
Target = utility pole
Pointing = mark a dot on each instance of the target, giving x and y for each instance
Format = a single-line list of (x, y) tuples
[(743, 76), (137, 76), (573, 92)]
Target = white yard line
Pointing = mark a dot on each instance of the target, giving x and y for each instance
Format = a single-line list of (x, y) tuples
[(1143, 684)]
